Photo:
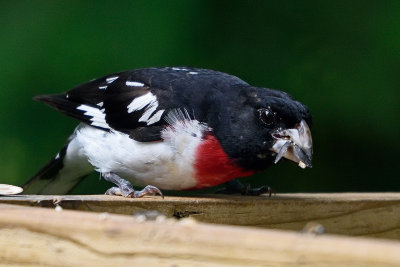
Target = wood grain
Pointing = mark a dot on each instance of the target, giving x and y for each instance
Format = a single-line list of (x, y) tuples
[(46, 237), (356, 214)]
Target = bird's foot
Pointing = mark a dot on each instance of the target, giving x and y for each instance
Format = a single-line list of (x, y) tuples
[(125, 189), (265, 189), (116, 191), (236, 187), (149, 190)]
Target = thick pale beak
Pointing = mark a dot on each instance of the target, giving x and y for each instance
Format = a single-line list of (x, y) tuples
[(294, 144)]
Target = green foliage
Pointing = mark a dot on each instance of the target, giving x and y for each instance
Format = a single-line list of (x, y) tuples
[(341, 58)]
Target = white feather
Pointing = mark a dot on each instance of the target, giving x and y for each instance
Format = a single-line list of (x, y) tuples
[(149, 111), (140, 102), (167, 165), (131, 83), (75, 165), (156, 117), (111, 79), (179, 69), (98, 117)]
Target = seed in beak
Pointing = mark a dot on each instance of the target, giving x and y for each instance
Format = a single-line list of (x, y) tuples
[(282, 151), (302, 164)]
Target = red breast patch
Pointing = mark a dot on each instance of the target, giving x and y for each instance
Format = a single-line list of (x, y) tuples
[(213, 166)]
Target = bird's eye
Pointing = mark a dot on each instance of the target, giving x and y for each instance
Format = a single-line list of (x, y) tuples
[(266, 116)]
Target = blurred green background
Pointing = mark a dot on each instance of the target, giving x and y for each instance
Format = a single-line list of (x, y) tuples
[(341, 58)]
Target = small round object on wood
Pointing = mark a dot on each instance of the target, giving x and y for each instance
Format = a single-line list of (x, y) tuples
[(6, 189)]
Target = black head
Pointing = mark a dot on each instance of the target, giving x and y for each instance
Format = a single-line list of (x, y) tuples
[(260, 126)]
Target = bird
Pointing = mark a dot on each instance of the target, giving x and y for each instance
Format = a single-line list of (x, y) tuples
[(173, 128)]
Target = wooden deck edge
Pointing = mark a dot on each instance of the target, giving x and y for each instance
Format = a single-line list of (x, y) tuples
[(356, 214), (37, 236)]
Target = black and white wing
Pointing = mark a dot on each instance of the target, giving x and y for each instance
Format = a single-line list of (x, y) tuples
[(119, 101), (136, 102)]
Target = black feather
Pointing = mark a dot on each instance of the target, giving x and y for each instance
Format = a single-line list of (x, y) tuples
[(68, 106), (146, 134)]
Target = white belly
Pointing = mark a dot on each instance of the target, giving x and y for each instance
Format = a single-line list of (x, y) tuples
[(166, 164)]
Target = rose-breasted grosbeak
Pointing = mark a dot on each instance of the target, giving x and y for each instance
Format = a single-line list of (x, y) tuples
[(173, 128)]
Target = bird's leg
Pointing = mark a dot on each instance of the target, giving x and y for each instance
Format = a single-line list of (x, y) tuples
[(125, 189), (236, 187)]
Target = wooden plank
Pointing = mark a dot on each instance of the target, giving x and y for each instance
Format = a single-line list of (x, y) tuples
[(46, 237), (356, 214)]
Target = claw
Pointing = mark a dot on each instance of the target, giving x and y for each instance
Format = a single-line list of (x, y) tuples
[(237, 187), (116, 191), (125, 189), (148, 191), (258, 191)]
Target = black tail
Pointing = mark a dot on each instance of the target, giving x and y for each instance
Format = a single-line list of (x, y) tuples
[(61, 103), (72, 106), (58, 176)]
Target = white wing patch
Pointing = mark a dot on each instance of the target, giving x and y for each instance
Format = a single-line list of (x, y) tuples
[(179, 69), (140, 102), (98, 117), (103, 87), (111, 79), (156, 117), (136, 84), (150, 102), (148, 112)]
